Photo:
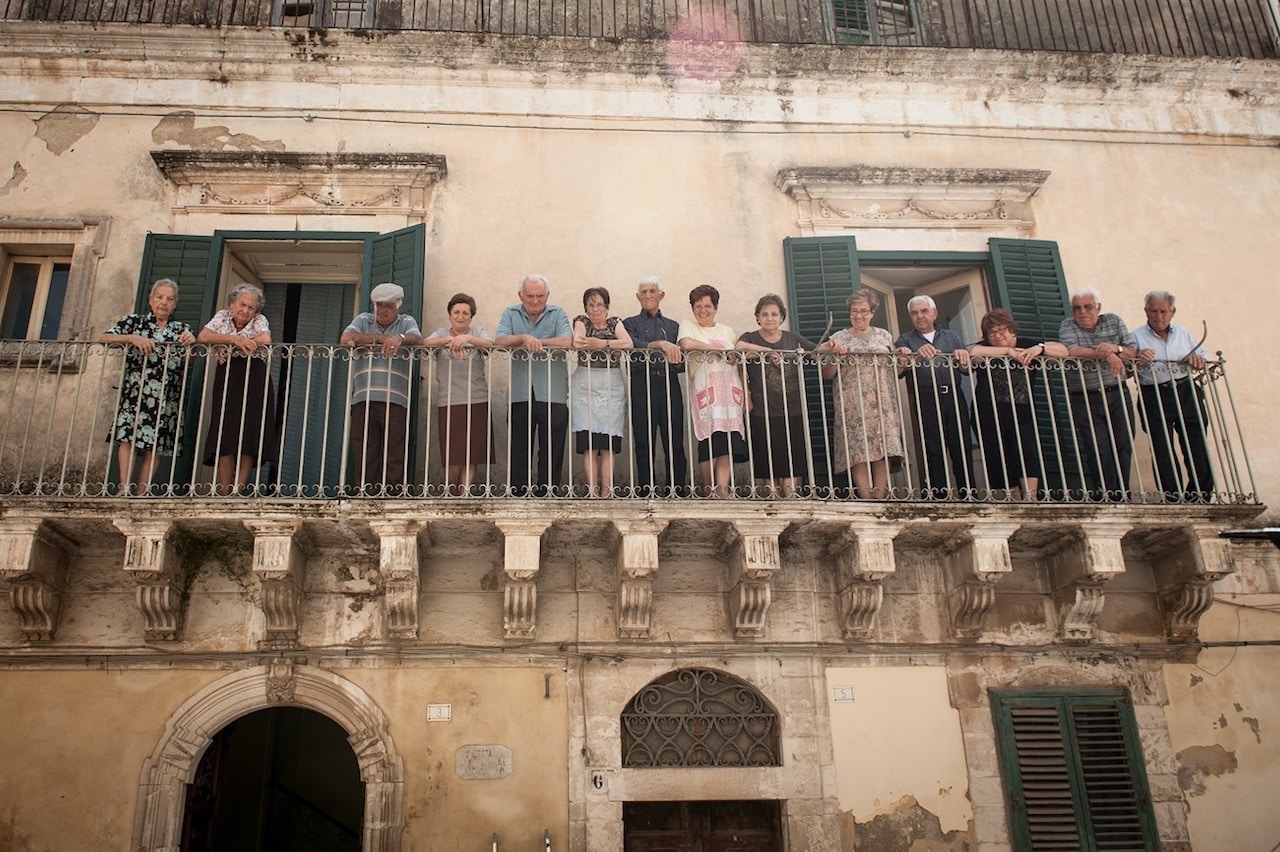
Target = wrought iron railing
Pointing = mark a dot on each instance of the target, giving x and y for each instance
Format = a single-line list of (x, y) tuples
[(1226, 28), (285, 429)]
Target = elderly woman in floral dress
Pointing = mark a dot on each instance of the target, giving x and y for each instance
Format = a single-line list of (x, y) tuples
[(146, 423), (868, 423)]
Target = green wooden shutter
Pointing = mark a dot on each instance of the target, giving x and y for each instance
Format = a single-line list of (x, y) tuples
[(1028, 282), (821, 273), (1073, 771), (313, 390), (398, 257), (189, 261)]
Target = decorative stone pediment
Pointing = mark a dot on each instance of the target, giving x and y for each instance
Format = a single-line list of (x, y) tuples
[(299, 182), (836, 199)]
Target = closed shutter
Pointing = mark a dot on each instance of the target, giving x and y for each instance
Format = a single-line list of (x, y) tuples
[(1028, 282), (1073, 771), (187, 260), (821, 274)]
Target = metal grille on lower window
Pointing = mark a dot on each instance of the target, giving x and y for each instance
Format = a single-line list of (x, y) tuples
[(699, 717)]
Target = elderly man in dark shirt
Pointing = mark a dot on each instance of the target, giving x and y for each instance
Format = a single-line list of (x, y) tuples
[(940, 411), (657, 403)]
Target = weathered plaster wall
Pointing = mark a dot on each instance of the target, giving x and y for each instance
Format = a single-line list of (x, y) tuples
[(894, 782), (74, 743)]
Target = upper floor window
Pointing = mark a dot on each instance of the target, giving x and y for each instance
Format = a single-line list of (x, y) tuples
[(34, 290), (873, 22), (350, 14)]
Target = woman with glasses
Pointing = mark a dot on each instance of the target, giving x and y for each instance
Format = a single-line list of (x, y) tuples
[(868, 422)]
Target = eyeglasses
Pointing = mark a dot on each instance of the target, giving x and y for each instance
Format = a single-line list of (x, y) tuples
[(860, 312), (999, 329), (1083, 309)]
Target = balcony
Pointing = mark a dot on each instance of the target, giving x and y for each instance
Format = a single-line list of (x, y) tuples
[(310, 556), (1221, 28), (64, 398)]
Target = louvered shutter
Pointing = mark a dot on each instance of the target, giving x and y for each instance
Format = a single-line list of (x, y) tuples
[(821, 273), (1028, 282), (398, 257), (1073, 772)]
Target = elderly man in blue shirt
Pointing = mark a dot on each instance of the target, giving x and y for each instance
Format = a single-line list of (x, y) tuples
[(380, 398), (539, 414), (1101, 406), (1171, 401)]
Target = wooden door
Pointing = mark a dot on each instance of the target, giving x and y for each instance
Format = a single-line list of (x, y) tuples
[(743, 826)]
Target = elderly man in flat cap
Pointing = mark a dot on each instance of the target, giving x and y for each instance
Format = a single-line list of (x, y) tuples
[(380, 398)]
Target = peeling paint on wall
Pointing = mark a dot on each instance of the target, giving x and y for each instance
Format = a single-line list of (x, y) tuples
[(64, 127), (910, 828), (18, 175), (180, 127), (1198, 763), (1253, 726)]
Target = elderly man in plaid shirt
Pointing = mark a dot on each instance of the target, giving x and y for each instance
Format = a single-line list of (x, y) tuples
[(1101, 406)]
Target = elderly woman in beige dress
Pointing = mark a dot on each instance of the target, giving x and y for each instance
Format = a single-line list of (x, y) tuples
[(868, 424)]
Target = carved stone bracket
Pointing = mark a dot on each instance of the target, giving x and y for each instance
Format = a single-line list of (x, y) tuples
[(282, 681), (753, 559), (973, 568), (864, 558), (637, 564), (33, 558), (398, 561), (522, 558), (1081, 571), (279, 563), (150, 558), (1194, 559)]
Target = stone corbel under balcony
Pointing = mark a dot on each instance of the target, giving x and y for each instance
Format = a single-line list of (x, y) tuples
[(33, 559), (839, 199), (752, 546), (975, 564), (1186, 563), (1080, 573), (637, 560), (522, 558), (151, 559), (279, 563), (864, 558), (398, 561)]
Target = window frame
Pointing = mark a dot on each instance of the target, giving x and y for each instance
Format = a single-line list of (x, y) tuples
[(81, 242), (37, 318)]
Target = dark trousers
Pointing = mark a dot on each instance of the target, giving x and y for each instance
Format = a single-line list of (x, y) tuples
[(944, 429), (657, 409), (1177, 408), (537, 428), (1104, 433), (378, 431)]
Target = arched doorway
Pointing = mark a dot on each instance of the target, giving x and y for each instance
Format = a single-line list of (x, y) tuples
[(189, 733), (272, 777)]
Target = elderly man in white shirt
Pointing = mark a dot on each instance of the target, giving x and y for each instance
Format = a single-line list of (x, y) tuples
[(1172, 402)]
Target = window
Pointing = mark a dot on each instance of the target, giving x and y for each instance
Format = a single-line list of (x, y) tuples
[(1073, 770), (873, 22), (353, 14), (34, 291)]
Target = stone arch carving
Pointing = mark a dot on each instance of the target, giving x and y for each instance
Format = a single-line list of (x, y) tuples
[(162, 792), (700, 717)]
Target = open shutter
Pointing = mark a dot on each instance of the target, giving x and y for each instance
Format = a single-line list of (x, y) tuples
[(398, 257), (1028, 282), (188, 260), (1073, 772), (821, 273)]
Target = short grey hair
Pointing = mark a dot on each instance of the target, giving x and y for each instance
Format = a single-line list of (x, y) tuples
[(537, 279), (1158, 296), (243, 288), (1086, 291), (165, 282), (922, 300), (650, 279)]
